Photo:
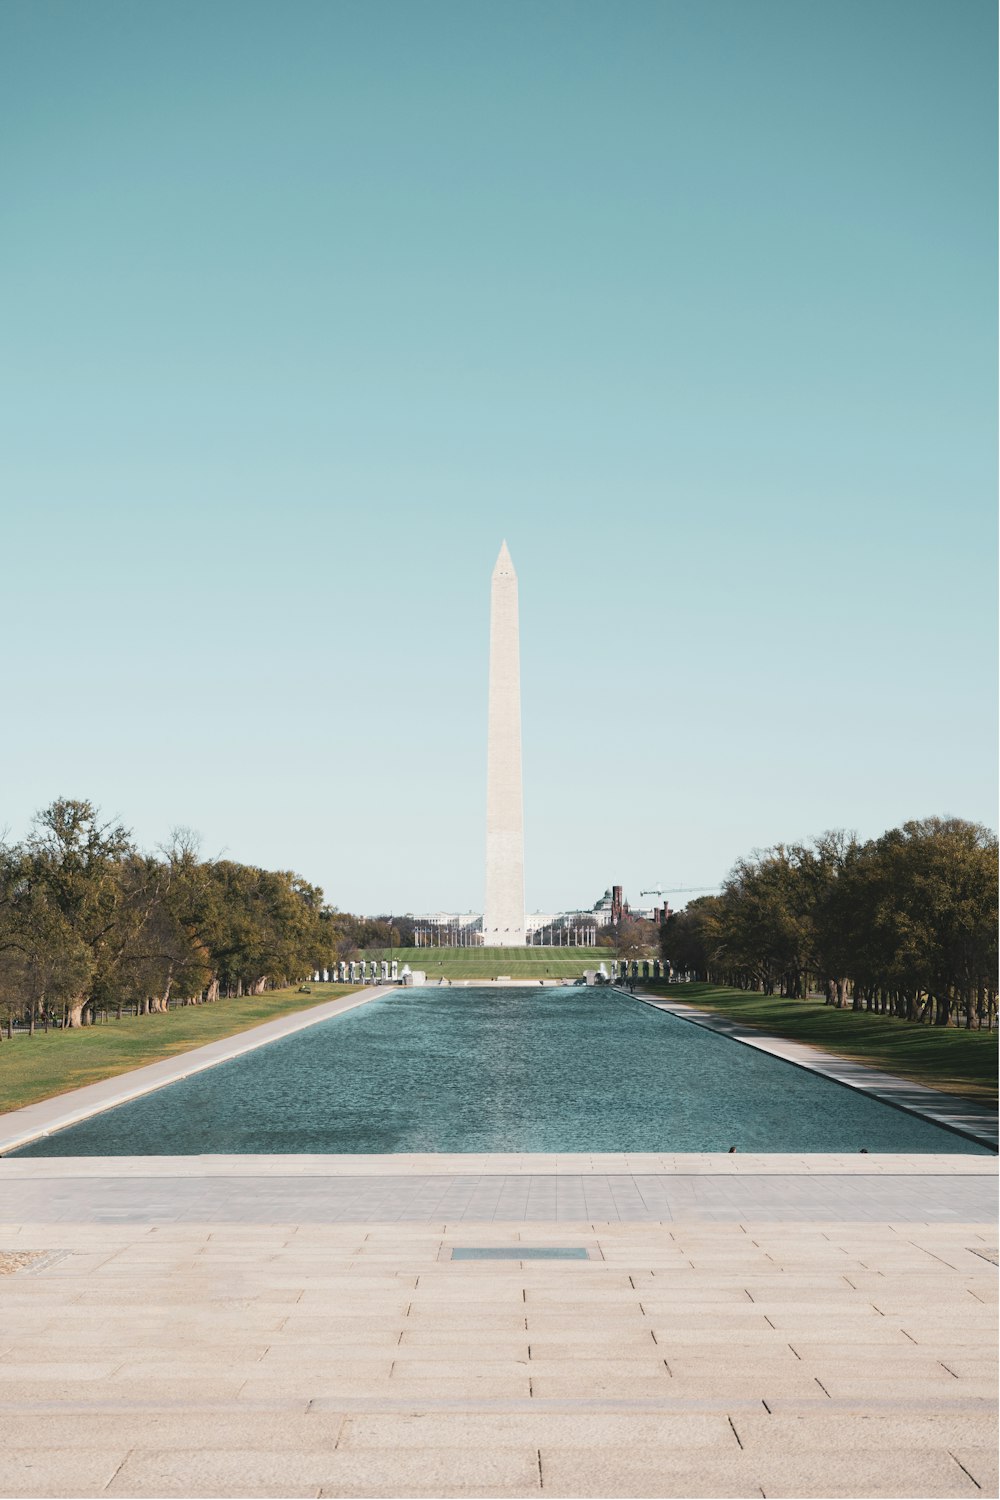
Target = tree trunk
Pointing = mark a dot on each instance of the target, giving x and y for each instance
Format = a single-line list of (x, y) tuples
[(75, 1012), (164, 1004)]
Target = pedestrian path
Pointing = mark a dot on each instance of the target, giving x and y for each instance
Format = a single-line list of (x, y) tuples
[(180, 1190), (315, 1359)]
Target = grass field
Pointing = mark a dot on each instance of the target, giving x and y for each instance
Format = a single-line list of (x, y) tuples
[(487, 963), (38, 1067), (959, 1062)]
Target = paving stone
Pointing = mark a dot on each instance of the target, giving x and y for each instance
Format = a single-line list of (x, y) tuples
[(213, 1471), (915, 1473), (783, 1434), (980, 1461), (307, 1385), (17, 1395), (146, 1348), (886, 1351), (14, 1372), (843, 1387), (191, 1428), (309, 1360), (614, 1388), (967, 1366), (436, 1473), (920, 1366), (471, 1388), (557, 1430), (55, 1471), (668, 1338), (653, 1473), (431, 1343), (627, 1347), (447, 1317)]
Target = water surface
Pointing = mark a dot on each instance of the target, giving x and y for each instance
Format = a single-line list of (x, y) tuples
[(501, 1070)]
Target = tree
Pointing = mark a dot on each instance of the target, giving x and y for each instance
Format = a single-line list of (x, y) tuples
[(632, 937), (78, 865), (690, 939), (931, 889), (904, 924), (90, 923)]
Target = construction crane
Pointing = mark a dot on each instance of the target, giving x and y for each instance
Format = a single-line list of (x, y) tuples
[(675, 890)]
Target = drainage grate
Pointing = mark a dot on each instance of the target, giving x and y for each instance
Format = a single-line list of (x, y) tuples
[(519, 1252)]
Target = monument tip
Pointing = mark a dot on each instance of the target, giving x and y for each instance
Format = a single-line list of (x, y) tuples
[(504, 562)]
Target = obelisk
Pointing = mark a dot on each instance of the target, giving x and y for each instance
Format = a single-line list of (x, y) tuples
[(503, 918)]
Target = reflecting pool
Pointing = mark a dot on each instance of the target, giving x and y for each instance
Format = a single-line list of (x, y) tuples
[(520, 1069)]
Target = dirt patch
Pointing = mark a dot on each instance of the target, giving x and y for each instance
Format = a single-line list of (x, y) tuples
[(12, 1261)]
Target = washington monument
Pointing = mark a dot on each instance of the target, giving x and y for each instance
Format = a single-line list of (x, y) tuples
[(503, 918)]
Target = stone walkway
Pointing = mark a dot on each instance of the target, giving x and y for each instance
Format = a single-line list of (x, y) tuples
[(765, 1352), (745, 1325), (189, 1196)]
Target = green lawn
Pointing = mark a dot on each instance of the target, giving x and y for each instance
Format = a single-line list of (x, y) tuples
[(959, 1062), (37, 1067), (487, 963)]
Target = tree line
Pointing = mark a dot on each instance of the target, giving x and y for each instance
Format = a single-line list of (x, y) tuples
[(903, 925), (90, 926)]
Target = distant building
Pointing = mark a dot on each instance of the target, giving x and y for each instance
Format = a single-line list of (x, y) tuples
[(575, 928), (447, 929)]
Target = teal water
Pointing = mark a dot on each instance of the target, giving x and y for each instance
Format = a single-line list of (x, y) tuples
[(501, 1070)]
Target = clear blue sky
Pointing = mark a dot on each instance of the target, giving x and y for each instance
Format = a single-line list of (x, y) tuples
[(308, 305)]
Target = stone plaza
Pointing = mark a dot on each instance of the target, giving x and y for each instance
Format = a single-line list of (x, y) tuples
[(491, 1325), (299, 1326)]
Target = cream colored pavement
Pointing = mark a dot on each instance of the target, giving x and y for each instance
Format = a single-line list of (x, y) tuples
[(688, 1358)]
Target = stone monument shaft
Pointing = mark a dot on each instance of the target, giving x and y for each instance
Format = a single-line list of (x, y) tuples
[(503, 918)]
